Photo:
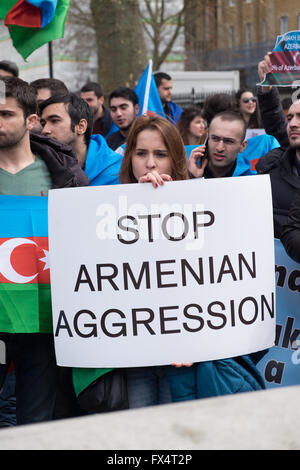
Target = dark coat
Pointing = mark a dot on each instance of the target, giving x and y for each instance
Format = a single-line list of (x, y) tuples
[(279, 164), (115, 140), (272, 115), (290, 236), (62, 163)]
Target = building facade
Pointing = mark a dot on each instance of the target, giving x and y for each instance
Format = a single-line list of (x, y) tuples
[(75, 56), (236, 34)]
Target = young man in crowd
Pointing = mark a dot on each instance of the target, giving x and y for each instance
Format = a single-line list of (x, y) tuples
[(164, 87), (219, 157), (47, 87), (30, 165), (92, 93), (124, 109), (69, 120)]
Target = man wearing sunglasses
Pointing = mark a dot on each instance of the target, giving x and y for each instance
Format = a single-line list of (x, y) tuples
[(219, 157)]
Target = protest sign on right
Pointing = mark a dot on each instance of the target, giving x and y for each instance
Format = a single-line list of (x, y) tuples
[(285, 61)]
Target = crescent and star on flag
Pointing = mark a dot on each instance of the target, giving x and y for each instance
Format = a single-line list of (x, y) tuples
[(7, 269)]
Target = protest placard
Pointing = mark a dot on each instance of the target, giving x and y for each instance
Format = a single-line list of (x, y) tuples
[(143, 276), (281, 365), (285, 61)]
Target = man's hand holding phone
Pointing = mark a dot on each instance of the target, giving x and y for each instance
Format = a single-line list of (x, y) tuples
[(198, 161)]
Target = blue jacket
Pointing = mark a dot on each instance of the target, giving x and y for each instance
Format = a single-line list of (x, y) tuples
[(102, 164), (214, 378), (243, 164), (175, 112)]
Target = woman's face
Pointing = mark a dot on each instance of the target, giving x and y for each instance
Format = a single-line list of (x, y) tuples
[(247, 103), (150, 154), (197, 127)]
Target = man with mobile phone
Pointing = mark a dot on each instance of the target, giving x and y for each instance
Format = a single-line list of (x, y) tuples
[(217, 158)]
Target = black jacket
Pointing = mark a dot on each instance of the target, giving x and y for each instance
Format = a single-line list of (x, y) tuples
[(103, 125), (62, 163), (115, 140), (272, 115), (279, 164), (291, 233)]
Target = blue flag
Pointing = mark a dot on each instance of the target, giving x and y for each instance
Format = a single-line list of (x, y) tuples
[(146, 90)]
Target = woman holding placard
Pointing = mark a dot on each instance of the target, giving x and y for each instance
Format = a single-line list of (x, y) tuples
[(154, 154)]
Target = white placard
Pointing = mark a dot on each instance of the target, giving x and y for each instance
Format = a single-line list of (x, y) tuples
[(143, 276)]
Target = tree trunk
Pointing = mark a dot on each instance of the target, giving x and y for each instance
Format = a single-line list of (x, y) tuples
[(121, 48)]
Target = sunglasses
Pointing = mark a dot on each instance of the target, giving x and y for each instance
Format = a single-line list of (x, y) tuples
[(246, 100)]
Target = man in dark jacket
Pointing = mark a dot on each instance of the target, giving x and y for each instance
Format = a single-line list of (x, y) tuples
[(92, 93), (282, 164), (124, 109), (290, 236), (30, 165)]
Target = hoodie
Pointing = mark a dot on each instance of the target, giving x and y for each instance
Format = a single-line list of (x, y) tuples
[(102, 164)]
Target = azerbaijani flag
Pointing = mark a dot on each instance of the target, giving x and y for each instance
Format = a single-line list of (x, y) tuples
[(258, 146), (33, 23), (146, 90), (25, 297)]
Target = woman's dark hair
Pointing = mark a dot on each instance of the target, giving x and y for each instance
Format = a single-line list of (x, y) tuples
[(184, 121), (171, 138), (255, 121)]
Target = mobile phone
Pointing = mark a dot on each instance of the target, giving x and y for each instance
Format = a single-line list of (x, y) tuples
[(205, 155), (206, 148)]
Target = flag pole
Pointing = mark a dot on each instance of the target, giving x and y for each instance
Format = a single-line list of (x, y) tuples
[(147, 90), (50, 59)]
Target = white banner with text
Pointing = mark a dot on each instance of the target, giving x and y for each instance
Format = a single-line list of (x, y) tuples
[(186, 274)]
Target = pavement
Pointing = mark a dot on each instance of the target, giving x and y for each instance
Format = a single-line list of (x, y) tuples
[(262, 420)]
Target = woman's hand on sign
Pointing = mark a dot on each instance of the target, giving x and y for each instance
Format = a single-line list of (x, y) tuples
[(182, 364), (155, 178), (197, 161)]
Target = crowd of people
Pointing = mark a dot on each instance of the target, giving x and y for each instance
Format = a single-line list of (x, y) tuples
[(53, 138)]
